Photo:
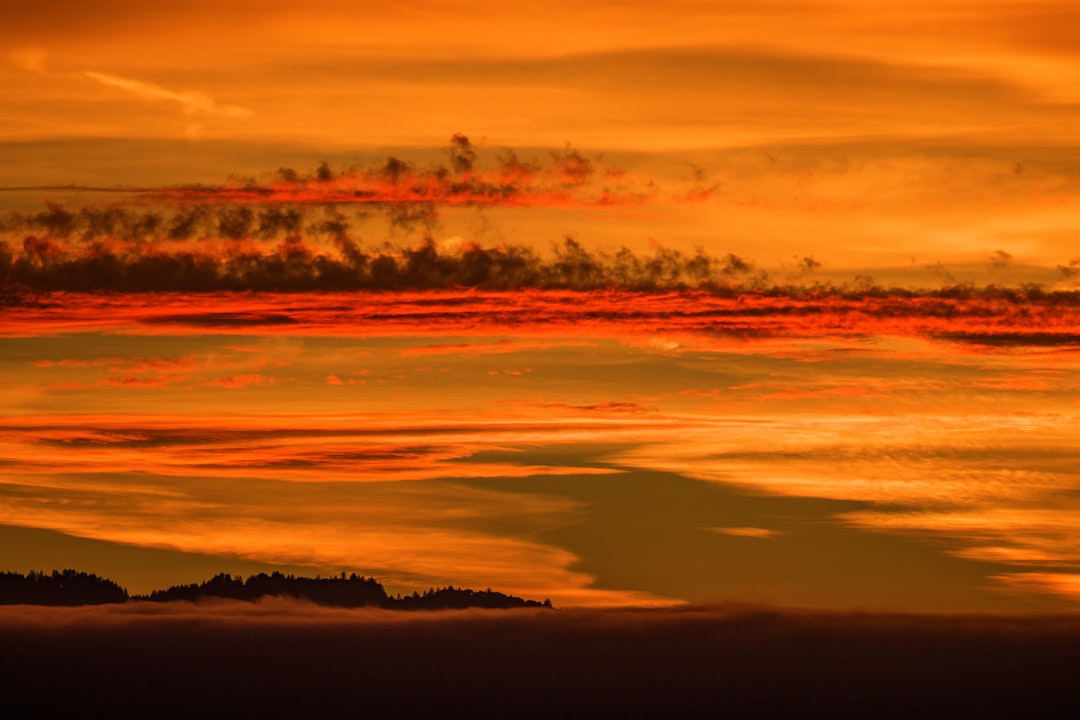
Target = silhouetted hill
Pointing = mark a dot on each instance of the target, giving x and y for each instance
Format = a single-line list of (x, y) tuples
[(76, 588), (60, 588), (451, 598), (341, 591), (351, 591)]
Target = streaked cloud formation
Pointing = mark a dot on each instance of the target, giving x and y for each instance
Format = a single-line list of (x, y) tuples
[(534, 441), (992, 317)]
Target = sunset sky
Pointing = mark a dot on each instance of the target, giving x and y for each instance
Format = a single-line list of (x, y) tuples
[(614, 303)]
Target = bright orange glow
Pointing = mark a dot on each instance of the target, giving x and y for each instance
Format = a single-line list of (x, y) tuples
[(979, 321), (416, 415), (612, 303)]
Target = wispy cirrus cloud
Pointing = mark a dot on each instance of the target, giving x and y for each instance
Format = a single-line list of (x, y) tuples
[(191, 102), (350, 453), (1000, 491)]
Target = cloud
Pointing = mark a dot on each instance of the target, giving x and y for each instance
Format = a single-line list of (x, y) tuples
[(295, 208), (238, 263), (566, 180), (192, 102), (714, 94), (182, 370), (746, 532), (696, 75), (31, 58), (1040, 534), (494, 347), (549, 297), (611, 408), (1067, 584), (273, 449), (994, 488), (398, 499), (245, 380)]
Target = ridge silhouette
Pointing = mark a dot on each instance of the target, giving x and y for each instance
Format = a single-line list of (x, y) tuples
[(69, 587)]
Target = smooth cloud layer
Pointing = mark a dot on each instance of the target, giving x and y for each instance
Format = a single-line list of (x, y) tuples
[(849, 70), (749, 660)]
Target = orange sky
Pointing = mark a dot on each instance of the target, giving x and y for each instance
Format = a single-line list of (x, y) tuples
[(870, 135), (598, 448), (800, 433), (626, 75)]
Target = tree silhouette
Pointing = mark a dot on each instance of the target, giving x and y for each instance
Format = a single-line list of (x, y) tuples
[(349, 591), (66, 587)]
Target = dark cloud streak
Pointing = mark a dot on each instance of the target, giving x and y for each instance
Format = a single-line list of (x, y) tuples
[(981, 319), (566, 180), (293, 264)]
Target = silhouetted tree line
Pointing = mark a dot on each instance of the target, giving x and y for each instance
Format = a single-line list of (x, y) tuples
[(78, 588), (341, 591), (66, 587), (451, 598)]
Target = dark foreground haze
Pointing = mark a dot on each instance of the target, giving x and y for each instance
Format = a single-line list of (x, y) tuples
[(275, 657)]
